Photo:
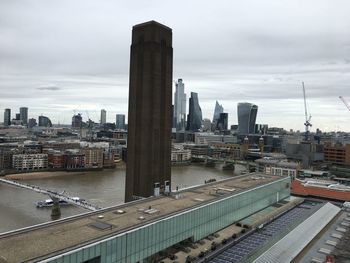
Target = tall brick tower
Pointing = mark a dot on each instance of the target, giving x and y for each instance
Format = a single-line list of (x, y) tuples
[(150, 110)]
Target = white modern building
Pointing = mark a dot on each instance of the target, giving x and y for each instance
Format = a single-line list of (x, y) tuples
[(180, 105), (207, 137)]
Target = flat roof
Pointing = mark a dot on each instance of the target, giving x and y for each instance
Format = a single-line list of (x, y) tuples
[(151, 23), (54, 238), (293, 243), (314, 172)]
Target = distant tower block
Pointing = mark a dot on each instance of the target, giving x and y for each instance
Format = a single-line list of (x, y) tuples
[(7, 117), (23, 111), (150, 110), (103, 116), (246, 117), (180, 105)]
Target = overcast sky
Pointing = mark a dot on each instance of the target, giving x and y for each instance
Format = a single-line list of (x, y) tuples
[(63, 55)]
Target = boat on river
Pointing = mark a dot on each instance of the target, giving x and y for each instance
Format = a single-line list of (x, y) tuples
[(49, 202)]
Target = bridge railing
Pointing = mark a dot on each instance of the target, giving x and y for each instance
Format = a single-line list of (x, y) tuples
[(61, 196)]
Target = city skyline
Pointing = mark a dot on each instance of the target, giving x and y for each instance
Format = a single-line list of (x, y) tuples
[(265, 51)]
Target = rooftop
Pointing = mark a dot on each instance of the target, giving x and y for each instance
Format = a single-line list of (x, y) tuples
[(151, 23), (50, 239)]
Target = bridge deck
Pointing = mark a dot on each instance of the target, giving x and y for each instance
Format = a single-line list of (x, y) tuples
[(42, 241), (61, 196)]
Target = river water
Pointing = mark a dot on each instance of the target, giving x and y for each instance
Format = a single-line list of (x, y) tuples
[(102, 188)]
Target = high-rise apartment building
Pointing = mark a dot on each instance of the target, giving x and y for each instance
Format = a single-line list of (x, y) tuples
[(77, 121), (103, 117), (246, 117), (149, 120), (194, 119), (180, 105), (120, 121), (23, 111), (7, 117)]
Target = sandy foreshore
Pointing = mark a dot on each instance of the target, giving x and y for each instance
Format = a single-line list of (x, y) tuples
[(49, 174), (41, 175)]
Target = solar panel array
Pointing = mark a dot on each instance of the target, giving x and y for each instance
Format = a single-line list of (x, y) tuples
[(249, 244)]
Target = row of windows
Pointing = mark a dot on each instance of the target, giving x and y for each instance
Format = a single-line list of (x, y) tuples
[(198, 223)]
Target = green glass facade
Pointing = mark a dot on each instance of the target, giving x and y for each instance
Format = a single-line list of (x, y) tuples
[(140, 243)]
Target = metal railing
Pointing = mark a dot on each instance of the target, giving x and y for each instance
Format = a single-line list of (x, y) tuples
[(61, 196)]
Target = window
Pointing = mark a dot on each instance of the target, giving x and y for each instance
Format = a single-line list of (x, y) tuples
[(93, 260)]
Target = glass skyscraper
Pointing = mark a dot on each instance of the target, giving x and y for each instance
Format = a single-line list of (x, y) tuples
[(222, 122), (194, 119), (246, 117), (120, 121), (180, 105), (7, 117), (23, 111), (44, 121), (217, 111)]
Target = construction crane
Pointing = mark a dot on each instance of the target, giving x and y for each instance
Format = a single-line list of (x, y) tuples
[(307, 123), (344, 101), (90, 124)]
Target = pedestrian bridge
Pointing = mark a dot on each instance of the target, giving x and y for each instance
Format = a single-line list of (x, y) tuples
[(53, 194), (205, 158)]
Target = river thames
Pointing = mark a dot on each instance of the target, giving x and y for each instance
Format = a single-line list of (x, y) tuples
[(102, 188)]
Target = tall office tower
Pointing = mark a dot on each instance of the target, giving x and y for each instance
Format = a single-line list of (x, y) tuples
[(77, 121), (120, 121), (246, 117), (180, 105), (7, 117), (218, 109), (194, 118), (149, 126), (23, 111), (103, 117), (222, 122), (44, 121)]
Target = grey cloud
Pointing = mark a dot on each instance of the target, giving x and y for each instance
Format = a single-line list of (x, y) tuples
[(50, 88), (252, 50)]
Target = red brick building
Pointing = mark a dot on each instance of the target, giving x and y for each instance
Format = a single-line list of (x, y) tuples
[(337, 154)]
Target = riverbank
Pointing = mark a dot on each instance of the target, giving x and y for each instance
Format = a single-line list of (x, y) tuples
[(42, 175), (50, 174), (36, 175), (103, 188)]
